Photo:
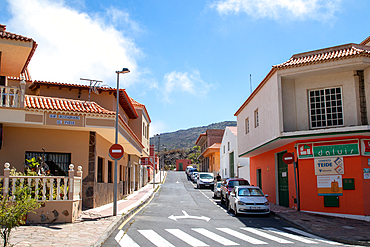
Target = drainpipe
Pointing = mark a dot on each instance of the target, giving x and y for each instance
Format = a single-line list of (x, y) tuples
[(296, 178)]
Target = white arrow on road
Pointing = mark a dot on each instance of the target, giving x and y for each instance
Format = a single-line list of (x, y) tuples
[(186, 216)]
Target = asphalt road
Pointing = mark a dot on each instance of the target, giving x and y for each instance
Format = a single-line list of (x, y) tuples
[(181, 215)]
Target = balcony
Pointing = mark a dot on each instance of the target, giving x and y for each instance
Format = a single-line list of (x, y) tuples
[(10, 97)]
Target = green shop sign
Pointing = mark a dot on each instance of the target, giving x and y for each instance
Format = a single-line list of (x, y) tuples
[(328, 149)]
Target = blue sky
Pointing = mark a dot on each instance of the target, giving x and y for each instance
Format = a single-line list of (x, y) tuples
[(190, 61)]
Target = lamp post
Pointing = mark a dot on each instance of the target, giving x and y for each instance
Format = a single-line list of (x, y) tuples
[(159, 158), (123, 71)]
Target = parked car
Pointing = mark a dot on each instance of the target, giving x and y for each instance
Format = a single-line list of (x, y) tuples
[(194, 176), (228, 185), (248, 200), (190, 172), (217, 189), (205, 179)]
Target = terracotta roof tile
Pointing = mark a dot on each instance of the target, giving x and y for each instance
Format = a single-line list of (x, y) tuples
[(325, 55), (233, 130), (366, 41), (58, 104), (13, 36), (124, 99)]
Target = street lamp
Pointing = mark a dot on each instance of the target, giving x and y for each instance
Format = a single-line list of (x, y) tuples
[(159, 159), (123, 71)]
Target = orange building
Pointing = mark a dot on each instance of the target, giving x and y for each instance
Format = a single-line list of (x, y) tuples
[(70, 123), (317, 107)]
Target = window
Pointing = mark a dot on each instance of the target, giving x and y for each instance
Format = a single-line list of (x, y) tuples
[(224, 148), (110, 171), (326, 107), (100, 170), (256, 119), (247, 125), (228, 146), (120, 173), (58, 163)]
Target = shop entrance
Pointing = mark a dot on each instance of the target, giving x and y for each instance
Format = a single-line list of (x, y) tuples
[(259, 178), (283, 181), (231, 164)]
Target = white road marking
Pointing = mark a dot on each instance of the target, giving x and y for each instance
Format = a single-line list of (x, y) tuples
[(241, 236), (311, 236), (289, 235), (265, 235), (155, 238), (125, 241), (214, 236), (186, 237)]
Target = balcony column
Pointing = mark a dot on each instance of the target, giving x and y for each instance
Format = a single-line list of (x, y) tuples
[(22, 86)]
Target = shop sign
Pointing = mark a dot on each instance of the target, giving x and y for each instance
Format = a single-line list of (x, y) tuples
[(365, 144), (328, 149), (366, 173), (329, 166), (330, 185), (62, 119)]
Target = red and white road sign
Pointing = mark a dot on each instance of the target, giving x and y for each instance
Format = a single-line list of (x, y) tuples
[(116, 151), (288, 158)]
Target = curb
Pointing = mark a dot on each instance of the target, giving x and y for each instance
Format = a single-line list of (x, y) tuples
[(120, 219), (344, 241)]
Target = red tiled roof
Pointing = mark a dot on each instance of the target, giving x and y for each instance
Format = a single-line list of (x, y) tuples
[(324, 55), (199, 137), (124, 99), (233, 130), (58, 104), (135, 103), (367, 40), (7, 35), (26, 75), (12, 36)]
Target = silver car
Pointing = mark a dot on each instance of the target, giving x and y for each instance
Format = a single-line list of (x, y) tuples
[(248, 200), (217, 189)]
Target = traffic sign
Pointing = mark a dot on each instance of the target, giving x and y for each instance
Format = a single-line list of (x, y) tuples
[(116, 151), (288, 158)]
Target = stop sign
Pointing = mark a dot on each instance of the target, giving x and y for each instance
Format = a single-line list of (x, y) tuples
[(288, 158), (116, 151)]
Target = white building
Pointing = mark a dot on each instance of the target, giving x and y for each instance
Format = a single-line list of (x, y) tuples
[(231, 166)]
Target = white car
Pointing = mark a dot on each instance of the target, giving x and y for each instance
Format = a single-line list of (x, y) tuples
[(248, 200), (205, 179), (194, 176), (217, 189)]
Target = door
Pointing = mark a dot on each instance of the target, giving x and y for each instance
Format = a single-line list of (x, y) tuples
[(180, 166), (231, 164), (283, 181), (259, 178)]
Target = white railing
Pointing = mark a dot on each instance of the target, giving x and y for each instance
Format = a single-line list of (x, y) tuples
[(45, 188), (9, 96)]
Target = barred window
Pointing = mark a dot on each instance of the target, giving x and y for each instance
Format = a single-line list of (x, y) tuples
[(256, 119), (326, 107), (58, 162)]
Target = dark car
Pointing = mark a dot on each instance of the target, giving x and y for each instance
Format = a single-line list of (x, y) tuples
[(228, 185)]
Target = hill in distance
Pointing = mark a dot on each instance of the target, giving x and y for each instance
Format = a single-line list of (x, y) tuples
[(185, 139)]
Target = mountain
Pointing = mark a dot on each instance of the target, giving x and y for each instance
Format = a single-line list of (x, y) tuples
[(185, 139)]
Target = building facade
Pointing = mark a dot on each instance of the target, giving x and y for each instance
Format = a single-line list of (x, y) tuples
[(209, 153), (181, 164), (315, 106), (68, 124), (231, 165)]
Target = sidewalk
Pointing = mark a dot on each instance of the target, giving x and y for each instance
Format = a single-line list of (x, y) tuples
[(343, 230), (92, 228)]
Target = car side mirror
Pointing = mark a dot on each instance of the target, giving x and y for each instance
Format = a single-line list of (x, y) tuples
[(266, 195)]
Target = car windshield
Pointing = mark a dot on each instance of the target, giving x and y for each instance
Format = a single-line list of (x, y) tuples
[(250, 192), (219, 185), (206, 176), (237, 183)]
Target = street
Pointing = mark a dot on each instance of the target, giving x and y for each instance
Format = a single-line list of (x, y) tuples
[(181, 215)]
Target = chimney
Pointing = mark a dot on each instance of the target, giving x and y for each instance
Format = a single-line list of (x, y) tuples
[(2, 28)]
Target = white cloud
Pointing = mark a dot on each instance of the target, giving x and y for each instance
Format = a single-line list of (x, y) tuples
[(280, 9), (74, 44), (189, 82), (157, 127)]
